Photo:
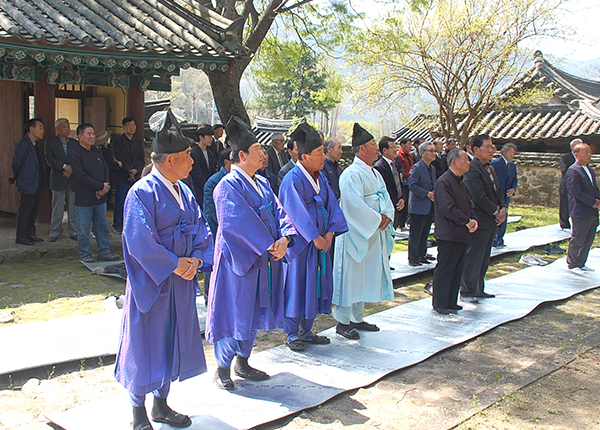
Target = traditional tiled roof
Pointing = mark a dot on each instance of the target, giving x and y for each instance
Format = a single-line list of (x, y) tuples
[(150, 36), (265, 128), (573, 109)]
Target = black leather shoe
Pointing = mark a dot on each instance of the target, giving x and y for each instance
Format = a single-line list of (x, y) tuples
[(414, 264), (430, 257), (24, 242), (364, 326), (455, 307), (484, 295), (244, 370), (36, 239), (424, 260), (346, 331), (442, 311), (428, 288)]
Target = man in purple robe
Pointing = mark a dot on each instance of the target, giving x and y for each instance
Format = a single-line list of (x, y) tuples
[(313, 208), (253, 236), (165, 242)]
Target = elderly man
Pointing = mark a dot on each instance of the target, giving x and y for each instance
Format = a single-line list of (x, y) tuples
[(584, 200), (566, 160), (55, 152), (29, 174), (506, 170), (253, 236), (278, 156), (91, 186), (331, 167), (490, 209), (205, 161), (389, 172), (128, 149), (165, 241), (420, 205), (361, 270), (455, 219), (314, 210)]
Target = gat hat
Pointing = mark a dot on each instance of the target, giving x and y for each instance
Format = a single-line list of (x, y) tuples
[(306, 138), (240, 134), (360, 136), (169, 137)]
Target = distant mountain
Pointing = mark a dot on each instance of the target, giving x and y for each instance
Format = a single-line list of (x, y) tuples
[(584, 69)]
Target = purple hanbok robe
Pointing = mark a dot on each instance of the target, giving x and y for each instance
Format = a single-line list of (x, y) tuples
[(246, 281), (160, 336), (309, 275)]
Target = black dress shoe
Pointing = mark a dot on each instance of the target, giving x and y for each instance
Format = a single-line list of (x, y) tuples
[(424, 260), (346, 331), (484, 295), (455, 307), (442, 311), (428, 288), (430, 257), (414, 264), (24, 242), (36, 239), (364, 326)]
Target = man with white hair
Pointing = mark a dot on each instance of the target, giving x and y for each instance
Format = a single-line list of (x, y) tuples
[(566, 160), (55, 152)]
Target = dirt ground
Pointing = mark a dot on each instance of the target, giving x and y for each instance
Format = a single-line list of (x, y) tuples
[(539, 372)]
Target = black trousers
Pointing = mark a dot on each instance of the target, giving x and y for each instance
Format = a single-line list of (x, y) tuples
[(582, 237), (477, 260), (418, 234), (563, 209), (29, 205), (402, 216), (448, 272)]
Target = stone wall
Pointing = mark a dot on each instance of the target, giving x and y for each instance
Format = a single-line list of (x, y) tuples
[(539, 176)]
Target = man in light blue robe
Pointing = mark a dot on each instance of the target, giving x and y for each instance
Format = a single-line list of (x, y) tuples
[(313, 208), (253, 236), (165, 242), (361, 271)]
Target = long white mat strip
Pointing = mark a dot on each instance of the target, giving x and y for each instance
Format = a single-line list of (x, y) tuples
[(517, 241), (409, 334)]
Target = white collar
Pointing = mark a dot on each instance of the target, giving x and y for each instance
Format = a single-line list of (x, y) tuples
[(169, 186), (248, 177), (315, 184)]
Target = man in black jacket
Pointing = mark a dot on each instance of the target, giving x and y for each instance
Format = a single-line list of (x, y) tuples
[(393, 179), (205, 161), (490, 208), (455, 220), (91, 185), (56, 151), (566, 160)]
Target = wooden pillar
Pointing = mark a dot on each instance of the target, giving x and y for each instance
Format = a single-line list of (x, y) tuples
[(135, 107), (45, 108)]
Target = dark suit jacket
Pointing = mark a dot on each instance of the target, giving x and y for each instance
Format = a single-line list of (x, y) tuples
[(285, 170), (55, 156), (28, 168), (440, 164), (332, 172), (131, 156), (201, 171), (273, 161), (383, 167), (421, 181), (485, 197), (566, 161), (507, 174), (582, 193)]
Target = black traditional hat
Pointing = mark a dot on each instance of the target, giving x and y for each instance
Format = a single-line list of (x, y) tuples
[(360, 136), (240, 134), (169, 137), (306, 138)]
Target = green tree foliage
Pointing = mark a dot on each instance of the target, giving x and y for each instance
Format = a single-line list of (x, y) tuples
[(457, 51), (292, 81)]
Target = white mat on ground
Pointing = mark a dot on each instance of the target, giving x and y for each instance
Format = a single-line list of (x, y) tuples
[(403, 235), (516, 241), (409, 334), (62, 340)]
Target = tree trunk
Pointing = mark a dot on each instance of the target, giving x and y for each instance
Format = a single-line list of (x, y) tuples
[(226, 92)]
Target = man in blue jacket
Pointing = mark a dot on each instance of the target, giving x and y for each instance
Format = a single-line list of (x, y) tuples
[(29, 173), (506, 170), (420, 204), (584, 200)]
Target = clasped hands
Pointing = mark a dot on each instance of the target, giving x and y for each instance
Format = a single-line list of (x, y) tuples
[(279, 248), (323, 243), (187, 267)]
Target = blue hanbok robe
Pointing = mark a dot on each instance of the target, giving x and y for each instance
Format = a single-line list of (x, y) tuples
[(308, 272), (246, 281), (160, 337), (361, 271)]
